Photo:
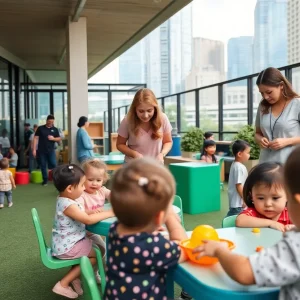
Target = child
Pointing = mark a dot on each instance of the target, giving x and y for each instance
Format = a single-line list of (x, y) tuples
[(208, 152), (7, 182), (94, 195), (237, 177), (68, 233), (139, 256), (13, 158), (208, 135), (266, 199), (274, 266)]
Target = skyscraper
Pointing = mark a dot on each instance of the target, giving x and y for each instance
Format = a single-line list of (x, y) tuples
[(270, 34), (293, 31), (240, 56)]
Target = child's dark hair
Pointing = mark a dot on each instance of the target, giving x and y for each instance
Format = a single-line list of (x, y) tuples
[(239, 146), (268, 174), (140, 190), (208, 143), (291, 171), (208, 134), (4, 163), (65, 175)]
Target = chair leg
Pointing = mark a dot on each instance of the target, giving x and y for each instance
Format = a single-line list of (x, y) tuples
[(101, 269)]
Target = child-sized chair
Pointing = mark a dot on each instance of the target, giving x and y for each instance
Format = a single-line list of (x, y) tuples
[(90, 287), (229, 221), (178, 203), (50, 261)]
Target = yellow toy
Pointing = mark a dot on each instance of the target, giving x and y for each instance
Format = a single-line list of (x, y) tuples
[(256, 230)]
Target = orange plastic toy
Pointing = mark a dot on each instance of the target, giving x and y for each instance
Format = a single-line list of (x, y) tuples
[(259, 248), (202, 232)]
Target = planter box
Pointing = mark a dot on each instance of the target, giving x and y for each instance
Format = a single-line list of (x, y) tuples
[(250, 164), (188, 154)]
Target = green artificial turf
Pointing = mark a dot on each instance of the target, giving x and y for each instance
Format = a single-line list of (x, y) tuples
[(22, 274)]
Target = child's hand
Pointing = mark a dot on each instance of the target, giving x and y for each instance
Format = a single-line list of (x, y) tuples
[(14, 187), (289, 227), (209, 248), (278, 226), (98, 210)]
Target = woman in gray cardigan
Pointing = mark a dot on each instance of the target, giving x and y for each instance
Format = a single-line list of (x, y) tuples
[(83, 141)]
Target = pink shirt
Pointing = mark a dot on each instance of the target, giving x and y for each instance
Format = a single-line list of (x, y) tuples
[(94, 201), (143, 143)]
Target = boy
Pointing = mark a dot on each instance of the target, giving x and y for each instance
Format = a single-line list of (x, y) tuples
[(237, 177)]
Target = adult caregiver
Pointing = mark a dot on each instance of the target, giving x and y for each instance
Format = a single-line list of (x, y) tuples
[(145, 130), (83, 141), (278, 116)]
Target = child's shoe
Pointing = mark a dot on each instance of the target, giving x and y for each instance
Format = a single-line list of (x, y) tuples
[(64, 291), (10, 204), (77, 286), (1, 205)]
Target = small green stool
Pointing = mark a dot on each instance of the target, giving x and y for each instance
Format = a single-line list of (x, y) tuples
[(36, 177)]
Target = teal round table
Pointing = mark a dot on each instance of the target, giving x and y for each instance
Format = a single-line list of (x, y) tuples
[(212, 283)]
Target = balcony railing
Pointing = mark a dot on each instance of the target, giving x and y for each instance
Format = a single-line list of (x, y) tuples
[(233, 104)]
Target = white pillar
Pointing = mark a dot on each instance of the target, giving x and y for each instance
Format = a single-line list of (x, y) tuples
[(77, 80)]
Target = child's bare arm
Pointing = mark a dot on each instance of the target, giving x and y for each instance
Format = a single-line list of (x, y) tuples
[(248, 221), (12, 181)]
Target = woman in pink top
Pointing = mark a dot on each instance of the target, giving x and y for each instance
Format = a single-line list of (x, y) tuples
[(145, 130)]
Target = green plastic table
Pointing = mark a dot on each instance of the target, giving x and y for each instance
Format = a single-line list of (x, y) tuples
[(198, 185), (212, 283)]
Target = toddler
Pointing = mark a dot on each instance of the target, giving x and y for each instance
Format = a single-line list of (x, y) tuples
[(7, 183), (208, 135), (278, 265), (139, 256), (13, 158), (266, 199), (237, 177), (208, 152), (68, 233), (94, 195)]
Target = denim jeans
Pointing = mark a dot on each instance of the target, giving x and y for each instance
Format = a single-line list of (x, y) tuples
[(234, 211), (8, 195), (47, 158)]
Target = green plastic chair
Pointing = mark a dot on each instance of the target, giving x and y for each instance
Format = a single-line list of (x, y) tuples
[(90, 287), (50, 261), (178, 203), (36, 176), (229, 221)]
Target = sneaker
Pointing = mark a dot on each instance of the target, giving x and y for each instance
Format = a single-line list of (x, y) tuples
[(10, 204), (98, 278), (44, 184), (64, 291), (1, 205), (77, 286), (185, 296)]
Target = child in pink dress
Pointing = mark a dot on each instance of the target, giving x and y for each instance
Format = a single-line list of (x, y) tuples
[(94, 195)]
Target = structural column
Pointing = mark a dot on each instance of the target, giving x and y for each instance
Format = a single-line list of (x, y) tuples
[(77, 80)]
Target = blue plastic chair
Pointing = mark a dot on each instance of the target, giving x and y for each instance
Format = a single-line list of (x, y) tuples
[(229, 221)]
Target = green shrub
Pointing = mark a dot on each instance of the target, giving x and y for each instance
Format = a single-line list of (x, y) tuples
[(192, 141)]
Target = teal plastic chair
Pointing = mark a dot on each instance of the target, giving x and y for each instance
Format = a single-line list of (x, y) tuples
[(178, 203), (90, 288), (50, 261), (229, 221)]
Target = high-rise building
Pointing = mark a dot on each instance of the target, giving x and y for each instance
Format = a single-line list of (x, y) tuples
[(132, 64), (293, 26), (240, 56), (163, 58), (270, 34)]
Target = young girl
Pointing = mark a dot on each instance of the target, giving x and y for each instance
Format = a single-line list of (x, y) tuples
[(68, 233), (274, 266), (139, 256), (265, 198), (7, 182), (208, 152), (94, 195)]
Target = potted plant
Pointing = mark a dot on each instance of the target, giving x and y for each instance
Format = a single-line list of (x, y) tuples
[(247, 134), (191, 142)]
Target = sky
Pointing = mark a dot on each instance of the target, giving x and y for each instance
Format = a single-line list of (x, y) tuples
[(212, 19)]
